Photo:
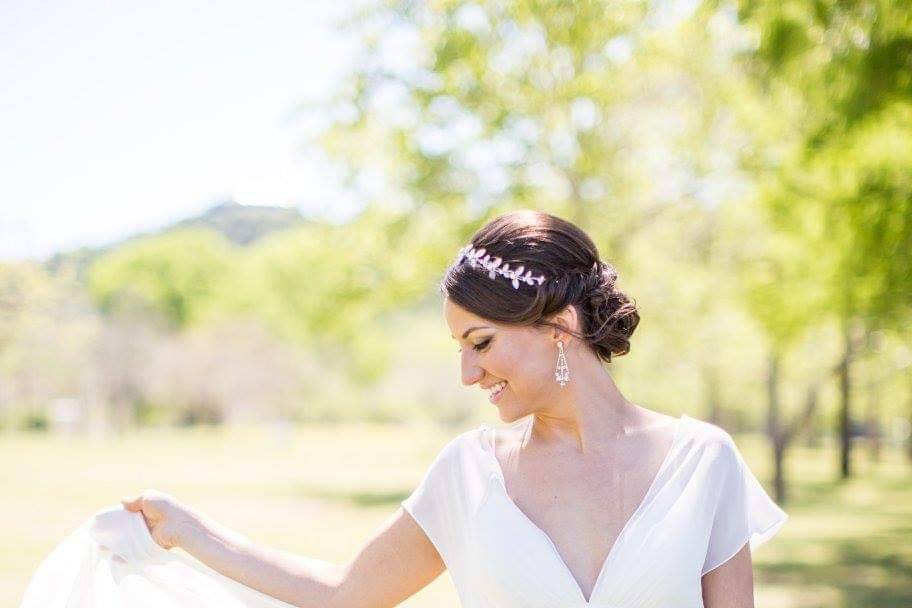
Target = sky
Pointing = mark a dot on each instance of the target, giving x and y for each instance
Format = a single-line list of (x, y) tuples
[(121, 117)]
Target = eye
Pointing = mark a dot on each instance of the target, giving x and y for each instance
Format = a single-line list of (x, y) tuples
[(482, 345)]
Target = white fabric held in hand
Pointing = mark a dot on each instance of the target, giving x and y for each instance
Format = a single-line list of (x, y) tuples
[(111, 561)]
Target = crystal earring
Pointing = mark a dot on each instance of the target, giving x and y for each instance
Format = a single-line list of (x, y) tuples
[(562, 373)]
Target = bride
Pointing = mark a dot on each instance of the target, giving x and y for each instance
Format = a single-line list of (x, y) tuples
[(582, 498)]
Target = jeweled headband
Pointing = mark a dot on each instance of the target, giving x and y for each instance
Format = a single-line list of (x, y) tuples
[(477, 257)]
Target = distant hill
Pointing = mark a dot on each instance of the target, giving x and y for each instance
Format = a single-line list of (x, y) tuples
[(241, 224)]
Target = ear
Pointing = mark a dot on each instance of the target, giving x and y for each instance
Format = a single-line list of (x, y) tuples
[(567, 318)]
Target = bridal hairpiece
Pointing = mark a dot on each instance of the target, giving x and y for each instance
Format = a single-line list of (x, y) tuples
[(478, 257)]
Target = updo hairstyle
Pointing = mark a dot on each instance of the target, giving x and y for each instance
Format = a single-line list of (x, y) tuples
[(574, 276)]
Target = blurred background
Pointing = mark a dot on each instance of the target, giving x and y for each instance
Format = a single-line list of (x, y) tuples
[(222, 226)]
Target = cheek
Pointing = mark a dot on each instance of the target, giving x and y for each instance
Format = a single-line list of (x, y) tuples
[(542, 367), (528, 366)]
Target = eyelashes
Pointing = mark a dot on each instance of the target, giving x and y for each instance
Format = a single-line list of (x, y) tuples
[(480, 346)]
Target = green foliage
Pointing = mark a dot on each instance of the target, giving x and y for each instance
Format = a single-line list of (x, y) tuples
[(177, 275), (320, 285), (500, 105), (329, 286), (839, 192), (850, 59)]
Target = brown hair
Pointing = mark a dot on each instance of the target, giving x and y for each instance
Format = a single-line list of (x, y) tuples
[(574, 275)]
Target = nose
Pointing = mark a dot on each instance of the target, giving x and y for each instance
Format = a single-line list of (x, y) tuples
[(471, 373)]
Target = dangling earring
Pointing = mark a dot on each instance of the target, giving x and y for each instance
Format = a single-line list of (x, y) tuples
[(562, 373)]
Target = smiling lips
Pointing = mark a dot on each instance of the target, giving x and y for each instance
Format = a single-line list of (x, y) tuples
[(496, 388)]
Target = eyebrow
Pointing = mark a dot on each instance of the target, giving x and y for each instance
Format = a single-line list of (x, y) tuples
[(470, 330)]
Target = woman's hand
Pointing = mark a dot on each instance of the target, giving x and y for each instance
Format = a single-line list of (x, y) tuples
[(166, 518)]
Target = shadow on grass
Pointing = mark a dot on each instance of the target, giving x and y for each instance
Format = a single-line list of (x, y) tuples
[(865, 573), (871, 569), (358, 498)]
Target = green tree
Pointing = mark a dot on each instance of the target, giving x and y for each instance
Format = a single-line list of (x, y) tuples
[(177, 275), (840, 190), (500, 104)]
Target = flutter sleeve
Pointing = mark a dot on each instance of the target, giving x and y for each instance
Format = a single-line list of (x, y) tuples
[(438, 504), (743, 512)]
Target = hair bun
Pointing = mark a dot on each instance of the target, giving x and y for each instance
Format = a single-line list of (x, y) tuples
[(612, 316)]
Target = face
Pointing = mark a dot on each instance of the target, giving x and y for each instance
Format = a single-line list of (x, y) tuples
[(524, 357)]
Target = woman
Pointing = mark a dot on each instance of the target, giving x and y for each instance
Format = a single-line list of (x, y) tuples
[(582, 499)]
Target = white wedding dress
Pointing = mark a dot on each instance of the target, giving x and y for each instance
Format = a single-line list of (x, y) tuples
[(111, 561), (703, 506)]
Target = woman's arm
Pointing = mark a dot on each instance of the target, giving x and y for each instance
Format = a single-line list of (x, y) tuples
[(730, 585), (394, 564)]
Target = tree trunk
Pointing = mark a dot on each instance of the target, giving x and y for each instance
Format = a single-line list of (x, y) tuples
[(872, 413), (779, 471), (773, 430), (845, 386), (812, 436)]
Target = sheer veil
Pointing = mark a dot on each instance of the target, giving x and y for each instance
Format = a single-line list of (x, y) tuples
[(111, 561)]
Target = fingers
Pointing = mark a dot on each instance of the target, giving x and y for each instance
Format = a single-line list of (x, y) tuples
[(134, 505)]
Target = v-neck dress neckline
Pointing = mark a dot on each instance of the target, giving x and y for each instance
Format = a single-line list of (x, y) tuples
[(702, 506), (641, 507)]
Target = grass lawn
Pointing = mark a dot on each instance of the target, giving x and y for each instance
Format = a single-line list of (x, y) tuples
[(322, 492)]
